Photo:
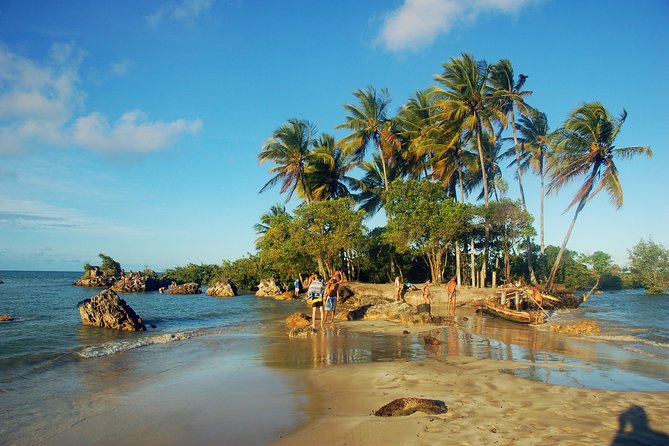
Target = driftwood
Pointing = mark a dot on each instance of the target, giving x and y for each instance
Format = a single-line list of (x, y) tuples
[(407, 406)]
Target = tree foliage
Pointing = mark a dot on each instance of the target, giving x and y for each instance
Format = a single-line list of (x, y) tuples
[(649, 263)]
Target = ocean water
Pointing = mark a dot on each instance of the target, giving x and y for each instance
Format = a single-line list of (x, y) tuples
[(54, 371)]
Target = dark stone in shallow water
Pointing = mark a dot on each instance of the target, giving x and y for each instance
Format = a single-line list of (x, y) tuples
[(407, 406)]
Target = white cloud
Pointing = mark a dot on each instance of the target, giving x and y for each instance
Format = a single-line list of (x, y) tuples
[(130, 133), (120, 68), (184, 10), (417, 23), (42, 104)]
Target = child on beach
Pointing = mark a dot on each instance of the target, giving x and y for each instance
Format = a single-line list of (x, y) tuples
[(427, 295)]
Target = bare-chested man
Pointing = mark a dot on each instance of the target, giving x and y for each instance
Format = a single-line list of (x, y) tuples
[(450, 287), (427, 295)]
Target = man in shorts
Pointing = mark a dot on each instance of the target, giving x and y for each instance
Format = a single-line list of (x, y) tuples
[(331, 289), (315, 296)]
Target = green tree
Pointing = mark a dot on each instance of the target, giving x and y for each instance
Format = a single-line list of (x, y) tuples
[(326, 229), (289, 149), (510, 224), (649, 263), (600, 264), (584, 147), (109, 266), (424, 217), (277, 210), (370, 124)]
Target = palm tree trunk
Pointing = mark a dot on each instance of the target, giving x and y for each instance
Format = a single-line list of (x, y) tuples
[(541, 207), (556, 265), (377, 141), (485, 198)]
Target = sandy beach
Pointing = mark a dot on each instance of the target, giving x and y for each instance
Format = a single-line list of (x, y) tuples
[(502, 383)]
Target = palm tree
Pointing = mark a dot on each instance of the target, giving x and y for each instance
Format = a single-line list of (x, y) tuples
[(466, 99), (510, 94), (416, 127), (370, 124), (584, 147), (328, 169), (289, 148), (534, 151), (372, 187), (266, 219)]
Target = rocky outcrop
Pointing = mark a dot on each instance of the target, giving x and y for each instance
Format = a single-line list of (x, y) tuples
[(286, 295), (298, 320), (184, 288), (107, 310), (269, 288), (407, 406), (587, 327), (299, 332), (136, 282), (372, 307), (222, 288), (6, 318)]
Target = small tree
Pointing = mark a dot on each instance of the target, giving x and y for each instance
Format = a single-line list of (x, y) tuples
[(649, 262), (109, 267), (509, 224), (424, 217), (600, 264), (324, 229)]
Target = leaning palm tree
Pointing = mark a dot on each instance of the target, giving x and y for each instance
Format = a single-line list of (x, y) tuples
[(372, 187), (416, 127), (584, 147), (534, 151), (289, 149), (328, 169), (370, 124)]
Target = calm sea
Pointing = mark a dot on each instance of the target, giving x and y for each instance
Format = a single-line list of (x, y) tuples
[(52, 367)]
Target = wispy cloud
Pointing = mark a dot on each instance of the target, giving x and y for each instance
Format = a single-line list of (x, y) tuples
[(417, 23), (43, 104), (120, 68), (181, 11)]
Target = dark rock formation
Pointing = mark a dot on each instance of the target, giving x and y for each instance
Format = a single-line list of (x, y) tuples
[(95, 277), (298, 332), (407, 406), (184, 288), (137, 282), (222, 288), (6, 318), (107, 310), (269, 288)]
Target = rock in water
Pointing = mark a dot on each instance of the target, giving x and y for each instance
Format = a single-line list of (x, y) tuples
[(222, 288), (185, 288), (586, 327), (268, 288), (298, 320), (107, 310), (407, 406), (6, 318)]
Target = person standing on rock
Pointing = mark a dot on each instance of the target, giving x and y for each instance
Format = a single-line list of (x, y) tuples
[(315, 296), (297, 287), (398, 288), (427, 294)]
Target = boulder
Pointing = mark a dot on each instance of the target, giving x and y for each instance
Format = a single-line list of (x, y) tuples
[(299, 332), (222, 288), (429, 340), (377, 307), (135, 283), (95, 277), (6, 318), (407, 406), (184, 288), (286, 295), (298, 320), (107, 310), (269, 288)]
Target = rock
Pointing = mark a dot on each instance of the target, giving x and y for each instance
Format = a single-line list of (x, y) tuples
[(184, 288), (405, 332), (135, 283), (269, 288), (107, 310), (423, 308), (407, 406), (222, 288), (345, 293), (6, 318), (96, 277), (429, 340), (298, 320), (586, 327), (302, 331), (286, 295)]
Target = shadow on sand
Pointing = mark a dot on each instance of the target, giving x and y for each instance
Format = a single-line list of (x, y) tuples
[(634, 430)]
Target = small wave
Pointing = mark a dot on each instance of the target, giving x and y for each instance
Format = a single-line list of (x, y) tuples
[(633, 340), (110, 348)]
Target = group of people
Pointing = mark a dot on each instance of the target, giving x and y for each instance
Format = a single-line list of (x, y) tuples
[(317, 292), (401, 288)]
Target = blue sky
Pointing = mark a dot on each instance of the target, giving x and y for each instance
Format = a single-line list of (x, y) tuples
[(132, 128)]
